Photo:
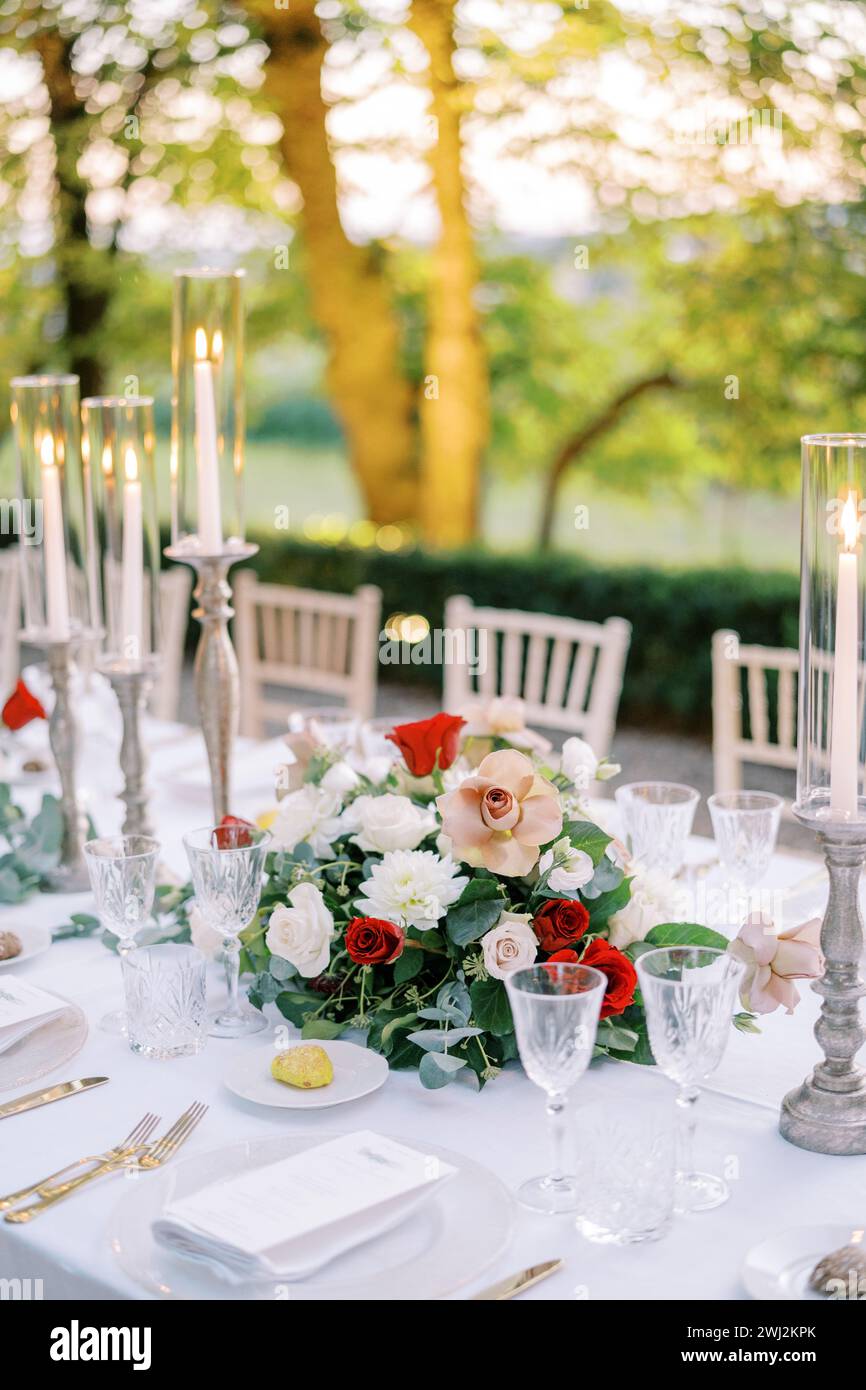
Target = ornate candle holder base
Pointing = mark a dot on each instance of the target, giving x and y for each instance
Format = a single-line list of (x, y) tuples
[(132, 688), (216, 667), (827, 1113), (71, 875)]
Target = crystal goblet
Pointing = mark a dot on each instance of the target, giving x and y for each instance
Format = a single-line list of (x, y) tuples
[(689, 994), (227, 863), (556, 1007), (658, 818), (122, 871)]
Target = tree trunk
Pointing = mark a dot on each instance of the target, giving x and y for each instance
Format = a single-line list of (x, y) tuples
[(85, 274), (580, 442), (350, 297), (455, 407)]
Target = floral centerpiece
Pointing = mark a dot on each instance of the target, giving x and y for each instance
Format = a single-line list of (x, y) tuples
[(401, 891)]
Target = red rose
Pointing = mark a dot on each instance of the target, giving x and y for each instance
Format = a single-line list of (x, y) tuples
[(373, 941), (559, 922), (21, 707), (233, 833), (565, 957), (621, 976), (427, 741)]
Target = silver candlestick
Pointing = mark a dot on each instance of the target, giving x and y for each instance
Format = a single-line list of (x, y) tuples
[(70, 876), (132, 688), (216, 667), (827, 1113)]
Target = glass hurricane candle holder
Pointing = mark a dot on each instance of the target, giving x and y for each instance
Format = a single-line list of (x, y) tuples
[(59, 581), (207, 432), (827, 1113), (60, 592), (206, 479), (117, 445)]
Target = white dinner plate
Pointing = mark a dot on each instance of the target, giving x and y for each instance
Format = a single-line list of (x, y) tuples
[(357, 1072), (441, 1246), (779, 1267), (34, 941)]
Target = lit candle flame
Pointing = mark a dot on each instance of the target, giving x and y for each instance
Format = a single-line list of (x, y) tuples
[(217, 344), (849, 523), (200, 345), (130, 465), (107, 461), (46, 451)]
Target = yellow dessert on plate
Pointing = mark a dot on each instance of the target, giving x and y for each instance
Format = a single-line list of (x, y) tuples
[(306, 1066)]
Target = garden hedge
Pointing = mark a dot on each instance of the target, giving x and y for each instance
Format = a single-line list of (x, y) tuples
[(673, 612)]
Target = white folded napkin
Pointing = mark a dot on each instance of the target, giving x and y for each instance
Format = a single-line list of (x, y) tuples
[(288, 1219), (23, 1009)]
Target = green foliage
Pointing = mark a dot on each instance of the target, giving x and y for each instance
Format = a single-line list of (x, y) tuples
[(32, 847)]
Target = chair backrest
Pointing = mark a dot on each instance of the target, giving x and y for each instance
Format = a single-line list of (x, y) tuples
[(10, 619), (567, 672), (304, 639), (754, 707), (175, 585)]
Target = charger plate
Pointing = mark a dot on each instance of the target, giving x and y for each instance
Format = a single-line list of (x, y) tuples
[(45, 1050), (445, 1244)]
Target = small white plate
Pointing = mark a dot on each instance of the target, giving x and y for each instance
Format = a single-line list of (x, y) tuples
[(357, 1072), (779, 1268), (34, 940)]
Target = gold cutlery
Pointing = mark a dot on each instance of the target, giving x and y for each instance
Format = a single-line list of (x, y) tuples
[(137, 1136), (516, 1283), (156, 1154), (36, 1098)]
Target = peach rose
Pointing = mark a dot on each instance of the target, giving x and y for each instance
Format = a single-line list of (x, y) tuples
[(774, 962), (501, 816)]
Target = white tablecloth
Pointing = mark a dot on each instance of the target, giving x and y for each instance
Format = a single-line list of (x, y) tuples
[(774, 1185)]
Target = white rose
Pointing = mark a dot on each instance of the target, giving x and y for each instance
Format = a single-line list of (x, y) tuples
[(569, 868), (388, 822), (340, 778), (655, 898), (302, 934), (578, 762), (204, 937), (308, 815), (510, 945)]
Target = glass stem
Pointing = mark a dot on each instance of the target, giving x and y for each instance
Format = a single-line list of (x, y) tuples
[(556, 1125), (687, 1099), (231, 952)]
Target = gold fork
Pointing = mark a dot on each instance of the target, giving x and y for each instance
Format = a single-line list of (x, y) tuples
[(157, 1154), (137, 1136)]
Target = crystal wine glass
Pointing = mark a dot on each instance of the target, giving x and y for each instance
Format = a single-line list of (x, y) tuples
[(689, 994), (555, 1008), (122, 870), (657, 821), (227, 863), (745, 825)]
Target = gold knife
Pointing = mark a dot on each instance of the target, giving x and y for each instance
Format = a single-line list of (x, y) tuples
[(35, 1098), (516, 1283)]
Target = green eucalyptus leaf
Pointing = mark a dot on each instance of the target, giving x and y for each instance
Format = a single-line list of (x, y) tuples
[(468, 921), (295, 1006), (408, 965), (436, 1070), (439, 1039), (322, 1028), (584, 835)]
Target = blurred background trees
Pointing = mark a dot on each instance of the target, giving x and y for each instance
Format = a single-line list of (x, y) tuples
[(512, 263)]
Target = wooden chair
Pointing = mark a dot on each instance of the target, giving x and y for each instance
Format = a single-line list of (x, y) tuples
[(175, 586), (304, 639), (10, 619), (568, 672), (754, 708)]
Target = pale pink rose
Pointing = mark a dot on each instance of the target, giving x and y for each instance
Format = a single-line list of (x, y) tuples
[(773, 962), (500, 717), (500, 817)]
